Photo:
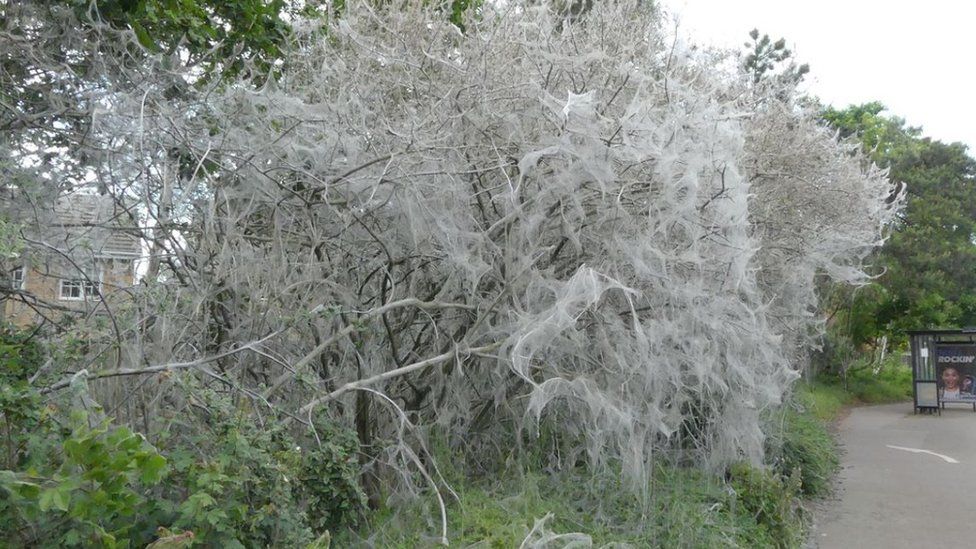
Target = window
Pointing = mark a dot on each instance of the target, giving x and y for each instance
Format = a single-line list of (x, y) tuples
[(17, 278), (76, 289)]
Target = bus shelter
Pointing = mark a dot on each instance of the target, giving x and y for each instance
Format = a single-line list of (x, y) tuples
[(943, 368)]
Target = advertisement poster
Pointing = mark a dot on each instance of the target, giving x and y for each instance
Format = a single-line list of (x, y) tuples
[(956, 373)]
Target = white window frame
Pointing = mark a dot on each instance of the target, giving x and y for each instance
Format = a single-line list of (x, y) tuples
[(18, 276), (85, 290)]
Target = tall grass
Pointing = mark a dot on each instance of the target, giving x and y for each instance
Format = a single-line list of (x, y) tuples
[(803, 446), (688, 509), (864, 383)]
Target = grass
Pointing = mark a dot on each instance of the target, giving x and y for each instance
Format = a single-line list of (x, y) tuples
[(828, 395), (823, 400), (803, 445), (687, 508), (892, 383)]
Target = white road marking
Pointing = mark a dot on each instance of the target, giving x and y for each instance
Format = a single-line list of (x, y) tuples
[(947, 459)]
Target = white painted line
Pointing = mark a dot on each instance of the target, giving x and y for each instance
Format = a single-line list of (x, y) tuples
[(947, 459)]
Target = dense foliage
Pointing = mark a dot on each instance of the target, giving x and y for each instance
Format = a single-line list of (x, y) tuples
[(925, 269), (70, 478)]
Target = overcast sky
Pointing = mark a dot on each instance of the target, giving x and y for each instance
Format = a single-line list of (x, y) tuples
[(915, 57)]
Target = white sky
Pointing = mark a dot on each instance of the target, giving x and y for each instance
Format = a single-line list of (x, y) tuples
[(918, 58)]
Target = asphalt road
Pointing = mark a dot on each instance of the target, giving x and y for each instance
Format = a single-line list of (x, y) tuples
[(906, 481)]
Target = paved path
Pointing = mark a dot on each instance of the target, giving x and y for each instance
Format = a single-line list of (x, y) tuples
[(906, 481)]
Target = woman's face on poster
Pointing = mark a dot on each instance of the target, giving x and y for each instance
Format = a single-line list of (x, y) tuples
[(950, 378)]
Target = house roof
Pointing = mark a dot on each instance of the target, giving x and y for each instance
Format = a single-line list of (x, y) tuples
[(97, 224)]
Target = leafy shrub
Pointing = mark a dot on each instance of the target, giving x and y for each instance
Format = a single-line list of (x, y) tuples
[(21, 415), (68, 477), (239, 493), (88, 494), (244, 484), (25, 424), (327, 480), (20, 355)]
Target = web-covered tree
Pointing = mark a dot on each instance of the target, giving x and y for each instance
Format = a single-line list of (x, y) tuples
[(534, 224)]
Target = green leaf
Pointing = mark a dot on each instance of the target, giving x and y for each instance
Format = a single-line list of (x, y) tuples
[(21, 488), (62, 497), (152, 469), (72, 537), (142, 36), (53, 498), (197, 502), (72, 448)]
